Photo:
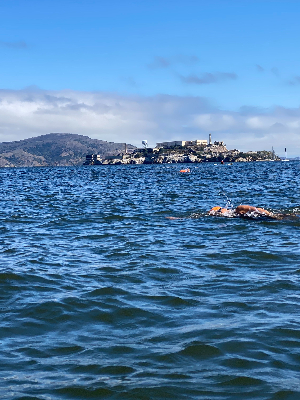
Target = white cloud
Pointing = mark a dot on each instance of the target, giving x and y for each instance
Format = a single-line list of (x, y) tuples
[(260, 122), (118, 118), (215, 121), (294, 124)]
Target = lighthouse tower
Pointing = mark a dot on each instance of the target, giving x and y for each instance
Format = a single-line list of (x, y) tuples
[(209, 140)]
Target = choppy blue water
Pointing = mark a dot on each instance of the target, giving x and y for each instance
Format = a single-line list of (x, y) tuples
[(102, 297)]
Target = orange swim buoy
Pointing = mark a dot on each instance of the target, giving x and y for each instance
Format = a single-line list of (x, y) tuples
[(185, 170)]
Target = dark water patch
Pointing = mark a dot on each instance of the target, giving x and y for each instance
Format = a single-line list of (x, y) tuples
[(104, 317), (108, 291), (200, 351), (100, 370), (280, 286), (165, 270), (120, 349), (135, 315), (177, 376), (64, 350), (195, 246), (32, 352), (11, 277), (293, 333), (9, 251), (49, 312), (162, 392), (173, 301), (29, 365), (114, 218), (117, 255), (93, 236), (117, 370), (93, 369), (242, 363), (244, 347), (286, 395), (80, 392), (29, 398), (242, 381)]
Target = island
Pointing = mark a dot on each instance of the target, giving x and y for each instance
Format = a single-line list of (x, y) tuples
[(195, 151)]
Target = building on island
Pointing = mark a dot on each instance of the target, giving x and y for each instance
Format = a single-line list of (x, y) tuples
[(92, 159), (218, 144), (182, 143)]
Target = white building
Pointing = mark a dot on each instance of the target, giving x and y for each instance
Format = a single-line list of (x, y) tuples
[(183, 143)]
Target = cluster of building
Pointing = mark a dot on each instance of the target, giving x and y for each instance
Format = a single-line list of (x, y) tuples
[(188, 143), (181, 143)]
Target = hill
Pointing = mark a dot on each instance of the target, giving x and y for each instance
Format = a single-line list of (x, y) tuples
[(55, 149)]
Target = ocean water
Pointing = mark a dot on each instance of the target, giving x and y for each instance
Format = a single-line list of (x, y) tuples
[(103, 297)]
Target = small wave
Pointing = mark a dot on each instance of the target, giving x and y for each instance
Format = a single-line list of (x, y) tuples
[(200, 350)]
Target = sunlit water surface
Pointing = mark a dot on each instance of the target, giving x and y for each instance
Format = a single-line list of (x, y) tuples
[(103, 297)]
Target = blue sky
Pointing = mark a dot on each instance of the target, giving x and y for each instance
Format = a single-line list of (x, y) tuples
[(227, 67)]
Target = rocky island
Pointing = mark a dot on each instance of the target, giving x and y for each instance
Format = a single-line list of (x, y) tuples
[(183, 152)]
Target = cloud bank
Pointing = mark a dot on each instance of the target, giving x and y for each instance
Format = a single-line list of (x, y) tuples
[(118, 118)]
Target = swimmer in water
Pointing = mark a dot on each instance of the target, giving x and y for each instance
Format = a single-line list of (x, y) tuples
[(242, 211), (248, 212)]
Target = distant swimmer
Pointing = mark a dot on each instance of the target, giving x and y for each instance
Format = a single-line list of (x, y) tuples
[(243, 211), (185, 170)]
